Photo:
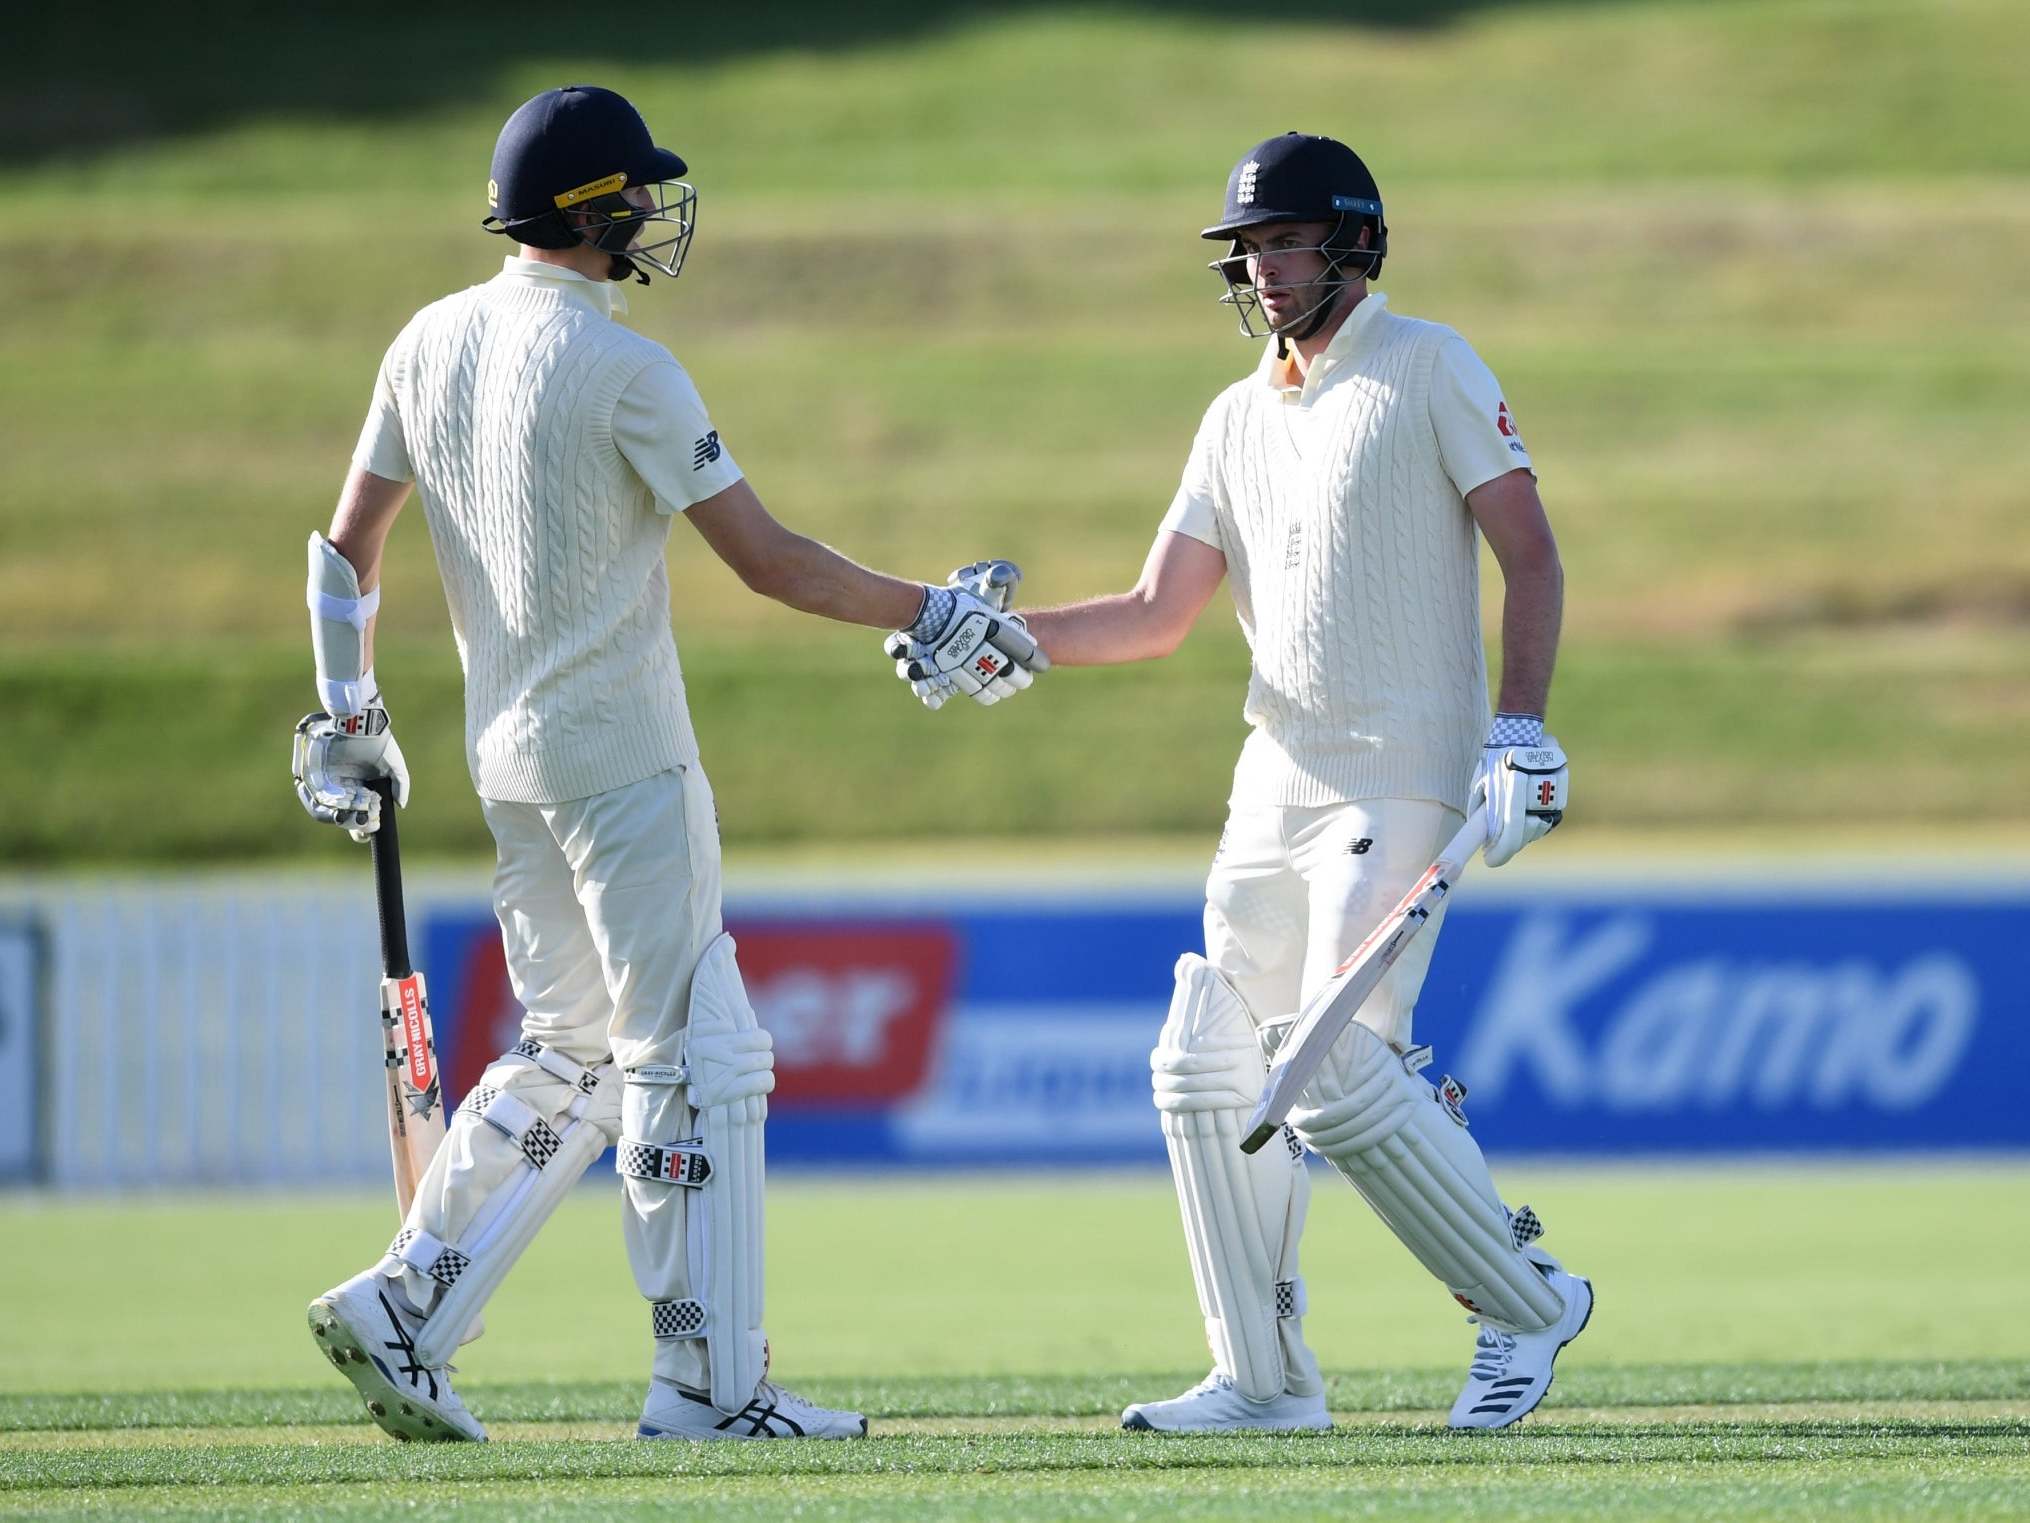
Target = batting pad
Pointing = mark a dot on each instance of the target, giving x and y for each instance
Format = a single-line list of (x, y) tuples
[(1388, 1132), (693, 1163), (1243, 1213), (526, 1133)]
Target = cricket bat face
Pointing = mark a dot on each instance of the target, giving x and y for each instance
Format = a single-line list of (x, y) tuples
[(415, 1097), (1330, 1010)]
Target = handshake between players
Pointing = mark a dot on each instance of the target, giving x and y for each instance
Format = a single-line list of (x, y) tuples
[(965, 639)]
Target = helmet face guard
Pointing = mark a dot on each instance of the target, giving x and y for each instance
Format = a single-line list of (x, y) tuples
[(658, 235), (1340, 250)]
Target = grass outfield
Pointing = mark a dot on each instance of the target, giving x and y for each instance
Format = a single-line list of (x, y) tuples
[(1749, 270), (1768, 1344)]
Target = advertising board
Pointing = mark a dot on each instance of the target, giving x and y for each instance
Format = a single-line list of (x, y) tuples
[(22, 969), (1589, 1023)]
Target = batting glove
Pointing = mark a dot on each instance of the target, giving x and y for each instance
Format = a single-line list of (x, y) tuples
[(933, 689), (333, 761), (1523, 781), (961, 643)]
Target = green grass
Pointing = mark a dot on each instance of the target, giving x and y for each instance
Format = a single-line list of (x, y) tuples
[(1749, 271), (1769, 1344), (1861, 1466)]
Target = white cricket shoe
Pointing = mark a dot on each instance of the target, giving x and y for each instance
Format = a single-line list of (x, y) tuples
[(673, 1412), (1215, 1406), (368, 1330), (1512, 1371)]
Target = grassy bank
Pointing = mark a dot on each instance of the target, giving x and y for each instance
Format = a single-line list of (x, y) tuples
[(1750, 275)]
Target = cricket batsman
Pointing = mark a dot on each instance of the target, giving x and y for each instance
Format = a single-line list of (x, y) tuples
[(1338, 489), (550, 447)]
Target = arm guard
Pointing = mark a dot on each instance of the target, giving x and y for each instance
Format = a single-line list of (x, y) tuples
[(338, 630)]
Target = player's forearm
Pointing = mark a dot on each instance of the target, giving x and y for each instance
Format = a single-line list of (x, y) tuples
[(1533, 606), (1128, 626), (814, 578), (367, 505)]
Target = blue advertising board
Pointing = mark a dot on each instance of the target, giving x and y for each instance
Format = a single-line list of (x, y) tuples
[(24, 960), (1599, 1023)]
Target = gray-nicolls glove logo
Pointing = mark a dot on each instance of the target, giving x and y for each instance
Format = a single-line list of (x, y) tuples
[(963, 642)]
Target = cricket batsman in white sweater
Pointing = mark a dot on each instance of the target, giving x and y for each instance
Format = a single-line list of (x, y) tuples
[(1338, 489), (551, 447)]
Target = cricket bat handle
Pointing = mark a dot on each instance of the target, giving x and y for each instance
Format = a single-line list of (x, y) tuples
[(387, 850), (992, 582)]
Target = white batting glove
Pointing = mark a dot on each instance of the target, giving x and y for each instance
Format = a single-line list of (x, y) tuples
[(1523, 782), (915, 665), (933, 689), (335, 759), (962, 643), (992, 582)]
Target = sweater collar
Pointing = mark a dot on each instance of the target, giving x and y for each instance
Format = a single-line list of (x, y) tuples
[(1282, 375), (603, 297)]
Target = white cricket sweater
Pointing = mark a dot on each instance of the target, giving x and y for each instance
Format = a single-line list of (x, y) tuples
[(1353, 559), (501, 401)]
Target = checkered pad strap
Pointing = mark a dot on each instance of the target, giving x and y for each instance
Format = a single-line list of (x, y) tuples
[(672, 1163), (677, 1319), (515, 1119), (1524, 1227), (429, 1256), (556, 1065), (1291, 1301)]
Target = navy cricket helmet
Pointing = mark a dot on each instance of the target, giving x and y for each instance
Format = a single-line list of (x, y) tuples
[(1301, 177), (577, 150)]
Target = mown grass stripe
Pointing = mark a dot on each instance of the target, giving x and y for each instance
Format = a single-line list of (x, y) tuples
[(1061, 1396), (1723, 1492), (1770, 1444)]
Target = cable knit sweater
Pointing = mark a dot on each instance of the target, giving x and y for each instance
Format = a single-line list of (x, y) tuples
[(502, 401), (1338, 501)]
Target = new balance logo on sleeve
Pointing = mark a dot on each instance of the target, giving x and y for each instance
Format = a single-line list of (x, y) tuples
[(707, 451)]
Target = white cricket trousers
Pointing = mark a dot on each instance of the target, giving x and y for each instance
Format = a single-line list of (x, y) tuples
[(605, 906), (1293, 891)]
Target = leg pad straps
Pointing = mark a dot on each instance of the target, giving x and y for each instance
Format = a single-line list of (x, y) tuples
[(670, 1163), (1409, 1153), (1243, 1213), (677, 1319), (697, 1249), (515, 1119), (530, 1131), (428, 1255)]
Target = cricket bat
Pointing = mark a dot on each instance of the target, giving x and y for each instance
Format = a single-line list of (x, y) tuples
[(415, 1092), (415, 1095), (1333, 1007)]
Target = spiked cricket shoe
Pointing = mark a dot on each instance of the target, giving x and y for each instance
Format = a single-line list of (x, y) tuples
[(673, 1412), (1215, 1406), (1512, 1371), (367, 1330)]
